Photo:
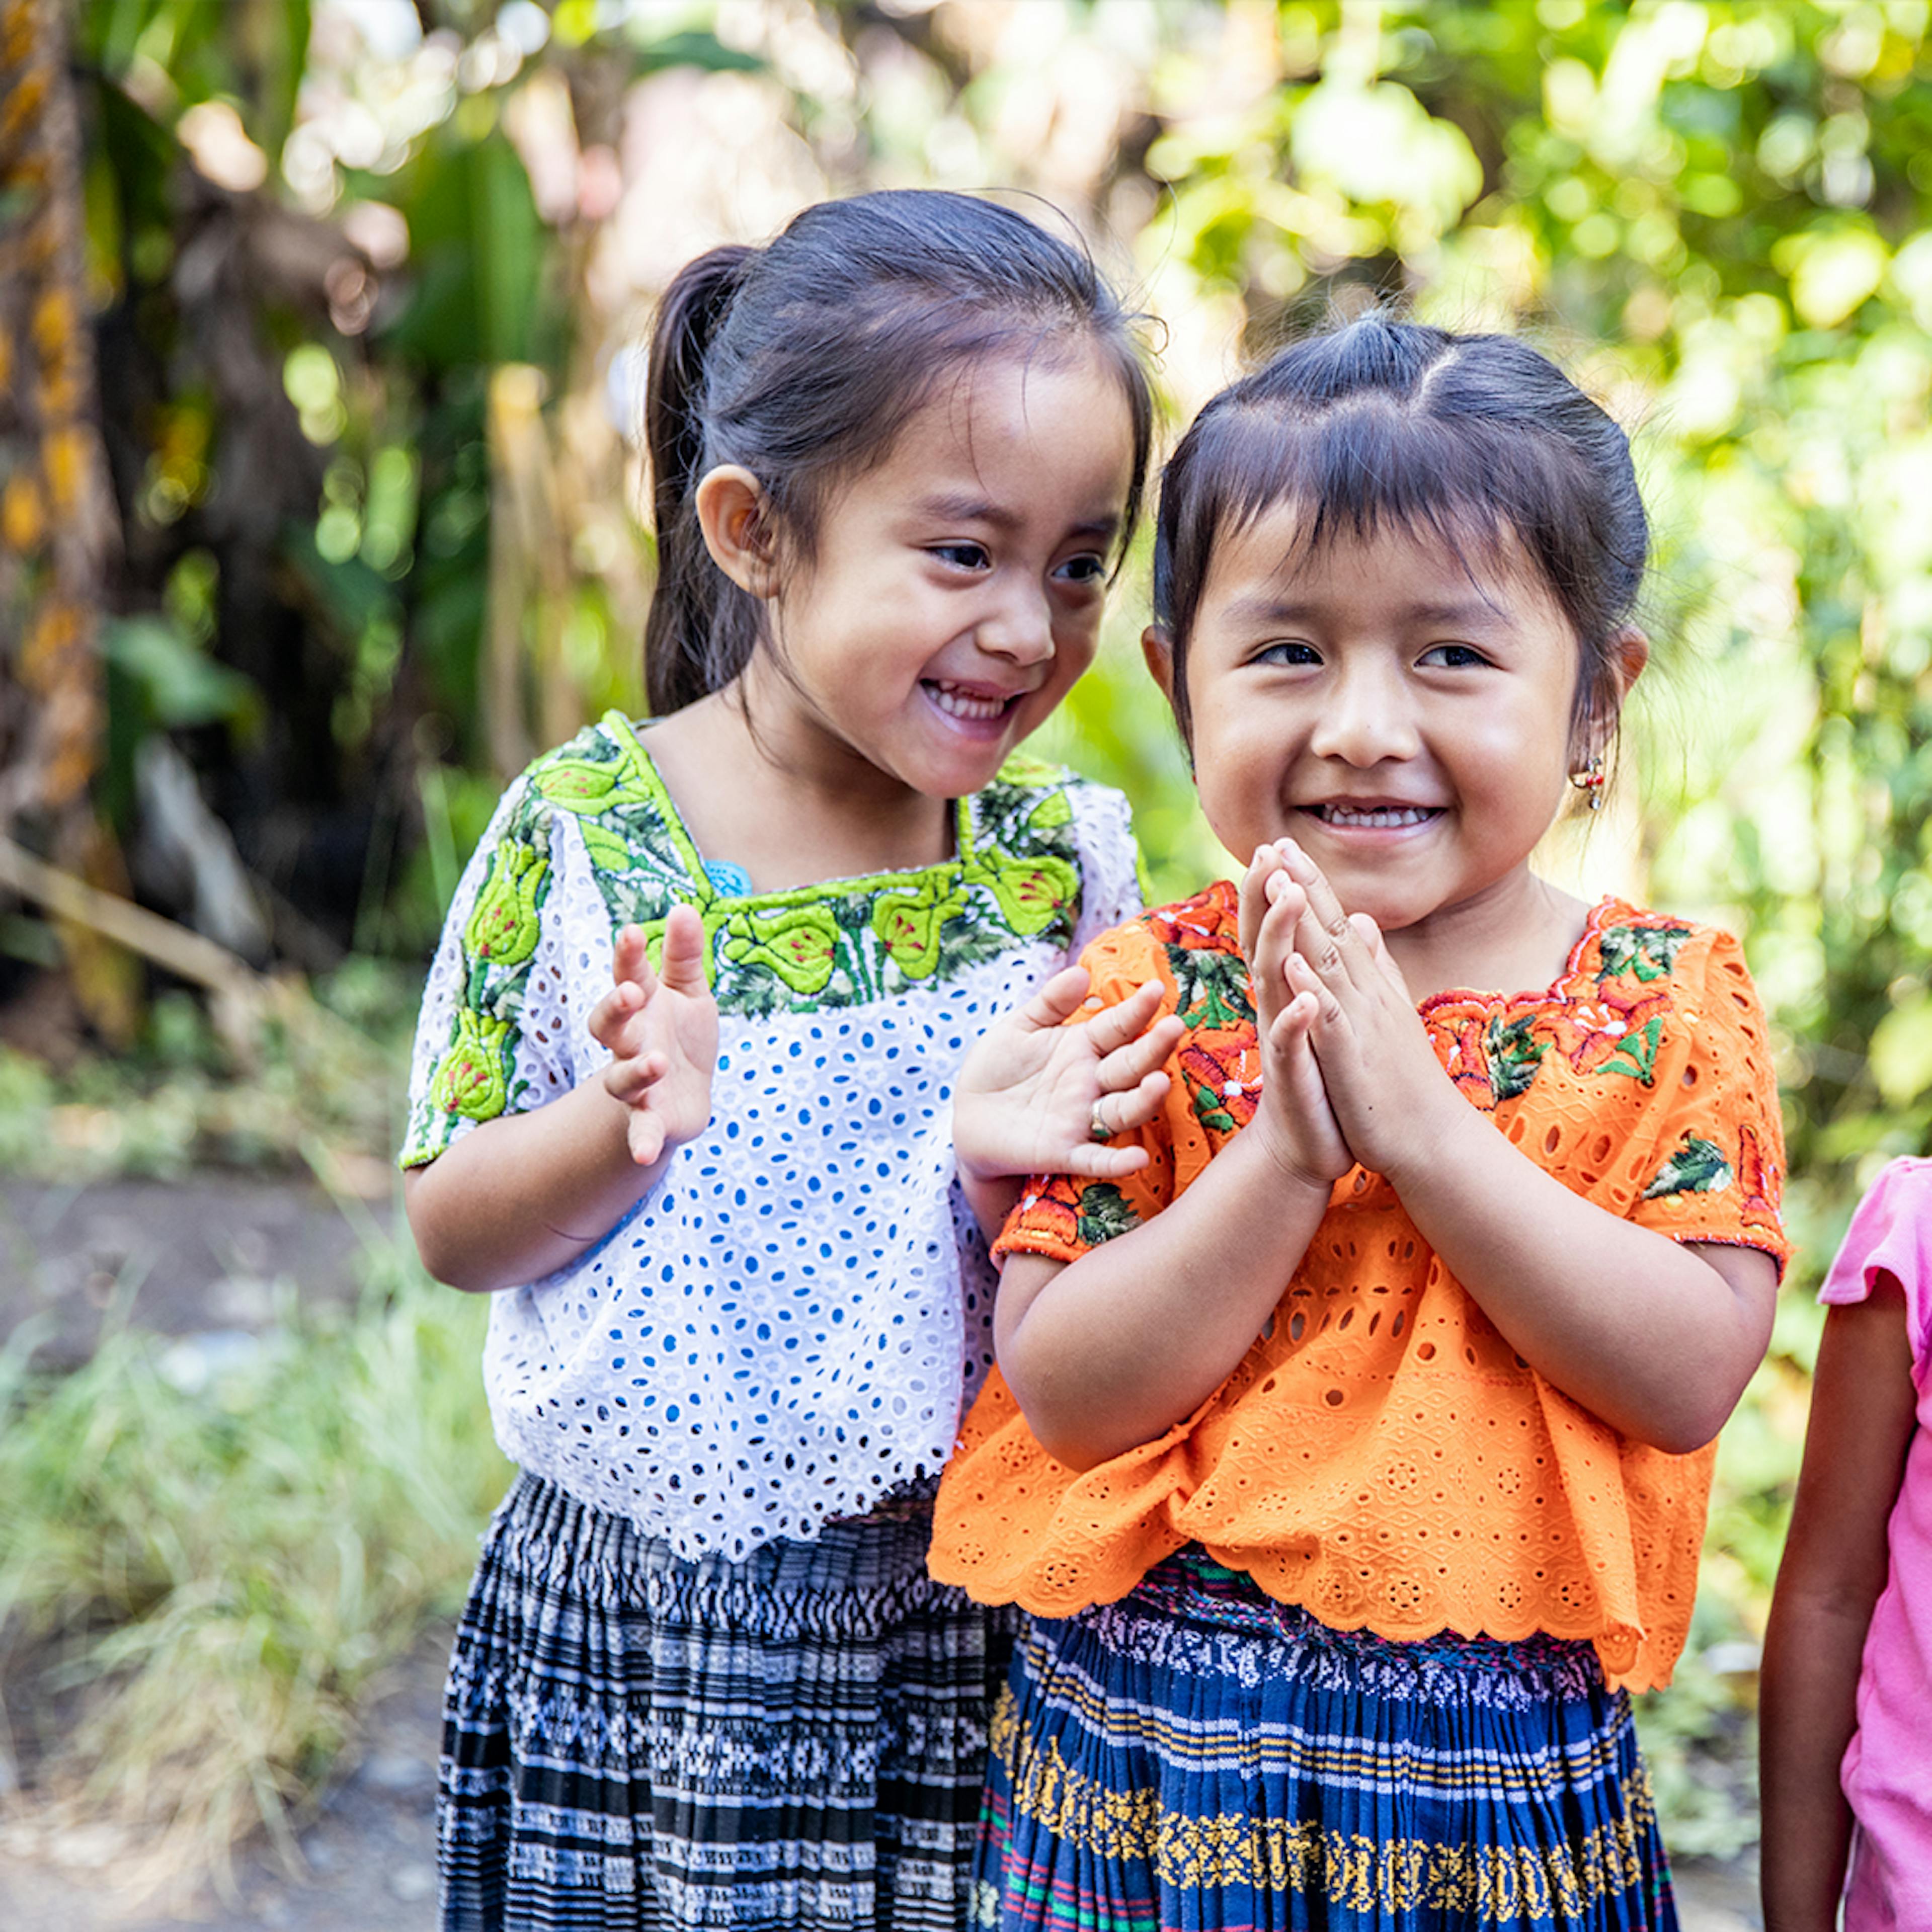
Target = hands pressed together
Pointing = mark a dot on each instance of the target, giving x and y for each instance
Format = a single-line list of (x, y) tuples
[(1348, 1072)]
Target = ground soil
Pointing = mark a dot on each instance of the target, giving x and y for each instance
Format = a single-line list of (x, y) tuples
[(206, 1255)]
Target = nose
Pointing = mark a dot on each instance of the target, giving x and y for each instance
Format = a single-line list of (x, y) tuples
[(1021, 626), (1365, 718)]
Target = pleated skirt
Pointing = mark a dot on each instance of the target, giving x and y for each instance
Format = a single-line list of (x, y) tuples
[(1200, 1756), (634, 1741)]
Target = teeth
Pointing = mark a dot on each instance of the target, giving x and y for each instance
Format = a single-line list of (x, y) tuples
[(1379, 818), (957, 704)]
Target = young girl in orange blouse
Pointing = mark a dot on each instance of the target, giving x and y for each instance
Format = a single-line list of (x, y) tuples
[(1352, 1455)]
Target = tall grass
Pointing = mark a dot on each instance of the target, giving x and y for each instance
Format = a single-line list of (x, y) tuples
[(213, 1557)]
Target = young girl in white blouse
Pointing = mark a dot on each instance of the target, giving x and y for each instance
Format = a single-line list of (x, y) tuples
[(682, 1087)]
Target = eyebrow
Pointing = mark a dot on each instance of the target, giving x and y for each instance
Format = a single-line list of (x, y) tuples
[(962, 508), (1462, 611)]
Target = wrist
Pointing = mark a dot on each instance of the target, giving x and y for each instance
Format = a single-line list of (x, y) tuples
[(1414, 1146), (1288, 1164)]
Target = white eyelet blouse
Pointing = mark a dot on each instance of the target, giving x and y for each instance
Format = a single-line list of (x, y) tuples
[(787, 1328)]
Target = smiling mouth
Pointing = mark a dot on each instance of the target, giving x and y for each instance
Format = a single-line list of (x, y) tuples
[(1374, 817), (956, 701)]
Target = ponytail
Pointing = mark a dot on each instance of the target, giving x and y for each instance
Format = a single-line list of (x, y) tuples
[(692, 644)]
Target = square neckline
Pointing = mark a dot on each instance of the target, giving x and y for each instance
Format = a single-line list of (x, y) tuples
[(965, 841)]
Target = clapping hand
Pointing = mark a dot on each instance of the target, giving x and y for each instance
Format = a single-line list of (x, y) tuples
[(1039, 1096), (661, 1030)]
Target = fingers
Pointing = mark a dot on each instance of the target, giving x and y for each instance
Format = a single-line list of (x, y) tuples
[(1099, 1161), (630, 1077), (647, 1138), (1128, 1066), (1274, 945), (1253, 900), (1122, 1109), (611, 1021), (1114, 1027), (1325, 933), (1058, 1000), (682, 967), (631, 960), (1371, 934)]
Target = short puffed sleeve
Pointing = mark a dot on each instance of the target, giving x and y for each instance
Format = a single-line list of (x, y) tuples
[(1213, 1082), (1720, 1142), (1890, 1234), (491, 1034)]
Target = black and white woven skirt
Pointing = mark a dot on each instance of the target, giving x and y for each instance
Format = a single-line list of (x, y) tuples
[(633, 1740)]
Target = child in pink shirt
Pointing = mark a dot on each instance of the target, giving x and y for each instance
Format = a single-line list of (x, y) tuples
[(1847, 1688)]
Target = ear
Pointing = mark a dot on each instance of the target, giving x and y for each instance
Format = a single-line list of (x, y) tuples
[(1157, 648), (1629, 652), (735, 515), (1625, 654)]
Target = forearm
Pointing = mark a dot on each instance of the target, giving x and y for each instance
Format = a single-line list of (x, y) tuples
[(1813, 1646), (1641, 1330), (1119, 1345), (991, 1197), (524, 1195)]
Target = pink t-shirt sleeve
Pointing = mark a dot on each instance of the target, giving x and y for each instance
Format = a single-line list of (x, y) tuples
[(1890, 1234)]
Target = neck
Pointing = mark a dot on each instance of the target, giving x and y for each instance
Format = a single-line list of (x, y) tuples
[(1514, 936), (792, 805)]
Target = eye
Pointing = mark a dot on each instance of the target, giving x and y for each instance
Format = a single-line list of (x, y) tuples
[(1453, 657), (1287, 651), (1085, 568), (960, 555)]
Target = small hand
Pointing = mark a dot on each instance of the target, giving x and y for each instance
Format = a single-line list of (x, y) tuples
[(1381, 1073), (1032, 1091), (661, 1030), (1295, 1117)]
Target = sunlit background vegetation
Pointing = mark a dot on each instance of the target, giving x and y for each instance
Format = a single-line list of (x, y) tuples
[(360, 285)]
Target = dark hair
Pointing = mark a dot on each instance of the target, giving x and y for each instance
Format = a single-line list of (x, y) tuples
[(1391, 424), (804, 359)]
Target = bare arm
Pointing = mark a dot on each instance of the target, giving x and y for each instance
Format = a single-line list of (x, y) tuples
[(1657, 1337), (523, 1195), (1111, 1350), (1834, 1566)]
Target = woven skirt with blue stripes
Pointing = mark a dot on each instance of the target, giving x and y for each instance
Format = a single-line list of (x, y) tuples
[(633, 1742), (1199, 1755)]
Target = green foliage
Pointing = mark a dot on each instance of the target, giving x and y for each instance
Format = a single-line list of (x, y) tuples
[(1715, 210), (219, 1551)]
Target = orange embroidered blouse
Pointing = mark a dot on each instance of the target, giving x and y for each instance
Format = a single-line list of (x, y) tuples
[(1381, 1457)]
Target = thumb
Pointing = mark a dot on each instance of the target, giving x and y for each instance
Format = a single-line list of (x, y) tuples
[(682, 968)]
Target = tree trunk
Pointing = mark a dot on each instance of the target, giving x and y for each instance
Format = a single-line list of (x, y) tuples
[(57, 520)]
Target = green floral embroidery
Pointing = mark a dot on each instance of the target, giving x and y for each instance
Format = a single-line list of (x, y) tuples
[(609, 851), (1032, 892), (798, 942), (1697, 1167), (1211, 989), (588, 786), (1211, 1111), (1636, 1053), (1647, 952), (1513, 1053), (910, 924), (1103, 1211), (504, 926), (1052, 812), (473, 1078)]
